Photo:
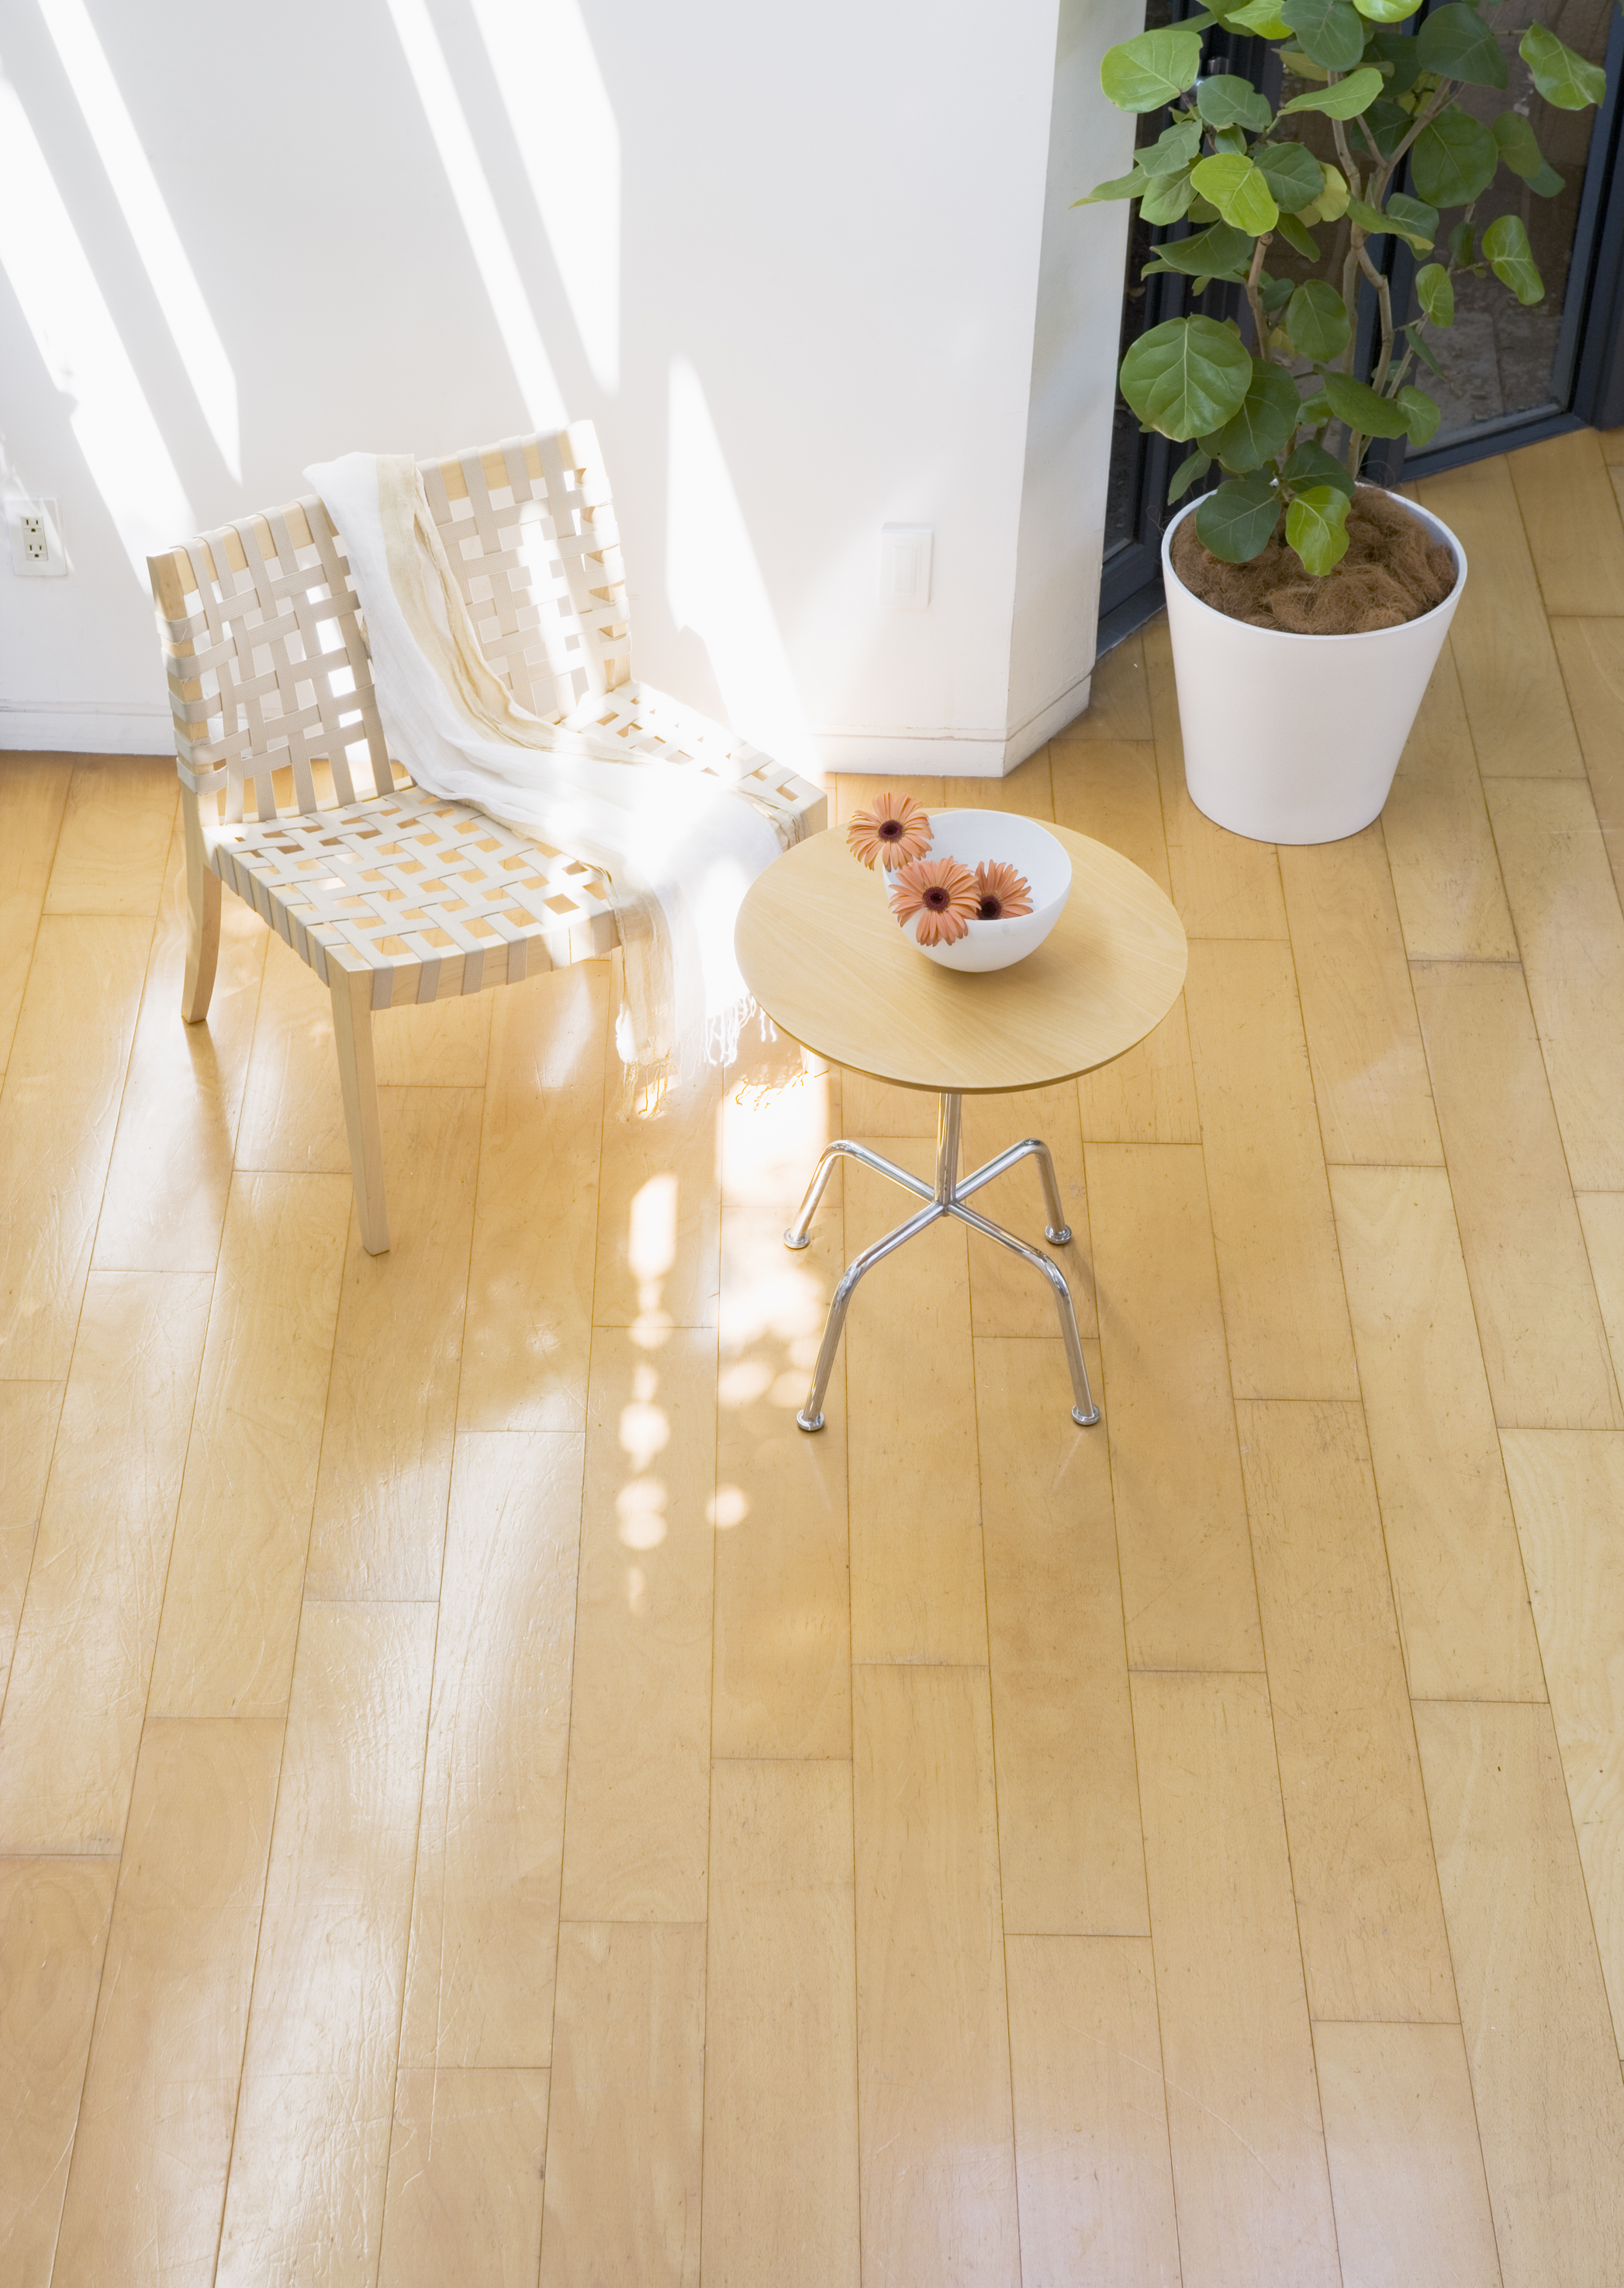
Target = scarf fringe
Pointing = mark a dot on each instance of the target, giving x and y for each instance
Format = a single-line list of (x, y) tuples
[(647, 1082)]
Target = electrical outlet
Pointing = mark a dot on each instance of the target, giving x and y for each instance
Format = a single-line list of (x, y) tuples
[(905, 566), (36, 535)]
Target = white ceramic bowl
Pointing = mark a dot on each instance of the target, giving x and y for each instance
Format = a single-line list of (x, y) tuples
[(974, 836)]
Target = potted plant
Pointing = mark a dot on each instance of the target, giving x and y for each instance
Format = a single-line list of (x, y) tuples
[(1292, 734)]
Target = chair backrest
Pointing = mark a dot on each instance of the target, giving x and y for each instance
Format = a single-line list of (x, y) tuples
[(270, 682)]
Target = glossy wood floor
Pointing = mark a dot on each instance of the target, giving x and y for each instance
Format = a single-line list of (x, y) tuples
[(484, 1800)]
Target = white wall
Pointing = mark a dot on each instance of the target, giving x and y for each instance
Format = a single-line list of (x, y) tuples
[(1074, 382), (788, 262)]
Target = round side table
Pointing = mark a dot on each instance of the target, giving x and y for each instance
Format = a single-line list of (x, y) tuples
[(820, 950)]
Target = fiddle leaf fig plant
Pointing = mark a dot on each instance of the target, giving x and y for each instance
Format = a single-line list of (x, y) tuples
[(1239, 175)]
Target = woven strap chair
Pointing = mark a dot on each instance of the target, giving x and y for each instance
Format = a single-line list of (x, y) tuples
[(394, 896)]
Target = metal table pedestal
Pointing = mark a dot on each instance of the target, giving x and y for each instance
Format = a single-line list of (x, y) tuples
[(945, 1198)]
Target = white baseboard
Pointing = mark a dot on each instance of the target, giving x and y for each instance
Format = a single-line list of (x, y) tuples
[(86, 726), (1030, 736), (912, 754), (950, 754), (99, 726)]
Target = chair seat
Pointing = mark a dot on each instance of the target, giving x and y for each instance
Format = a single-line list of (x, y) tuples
[(437, 898)]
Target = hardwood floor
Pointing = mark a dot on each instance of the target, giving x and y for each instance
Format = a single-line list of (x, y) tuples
[(483, 1799)]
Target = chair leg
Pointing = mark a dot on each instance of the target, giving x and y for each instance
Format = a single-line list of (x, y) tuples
[(202, 920), (351, 991)]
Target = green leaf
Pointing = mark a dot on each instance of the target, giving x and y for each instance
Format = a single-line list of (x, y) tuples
[(1262, 17), (1521, 153), (1518, 144), (1311, 464), (1332, 202), (1456, 43), (1273, 293), (1237, 522), (1461, 243), (1387, 12), (1412, 218), (1388, 123), (1292, 174), (1317, 322), (1120, 187), (1143, 73), (1298, 60), (1316, 527), (1331, 31), (1187, 474), (1418, 343), (1435, 291), (1563, 78), (1510, 257), (1398, 50), (1452, 160), (1421, 416), (1362, 408), (1227, 100), (1173, 151), (1265, 423), (1345, 100), (1294, 234), (1166, 198), (1219, 252), (1399, 219), (1237, 190), (1186, 377)]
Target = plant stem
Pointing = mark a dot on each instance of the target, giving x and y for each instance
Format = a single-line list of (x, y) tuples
[(1339, 131), (1443, 95), (1351, 294), (1384, 298), (1254, 296)]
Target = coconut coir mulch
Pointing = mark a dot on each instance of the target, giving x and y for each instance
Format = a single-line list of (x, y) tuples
[(1394, 571)]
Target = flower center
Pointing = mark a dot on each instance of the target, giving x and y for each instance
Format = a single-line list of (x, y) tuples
[(890, 830), (937, 899), (990, 910)]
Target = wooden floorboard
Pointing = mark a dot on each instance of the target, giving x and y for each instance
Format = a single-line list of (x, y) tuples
[(483, 1796)]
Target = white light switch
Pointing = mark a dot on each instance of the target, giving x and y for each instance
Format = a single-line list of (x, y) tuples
[(905, 566), (36, 537)]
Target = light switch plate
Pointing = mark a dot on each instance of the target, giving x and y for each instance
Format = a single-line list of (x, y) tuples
[(905, 566), (35, 534)]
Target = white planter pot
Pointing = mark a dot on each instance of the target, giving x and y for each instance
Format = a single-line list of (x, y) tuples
[(1292, 738)]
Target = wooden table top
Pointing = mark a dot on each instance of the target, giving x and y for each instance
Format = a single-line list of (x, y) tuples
[(819, 949)]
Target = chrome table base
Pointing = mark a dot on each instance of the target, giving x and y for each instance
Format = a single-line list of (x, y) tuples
[(945, 1198)]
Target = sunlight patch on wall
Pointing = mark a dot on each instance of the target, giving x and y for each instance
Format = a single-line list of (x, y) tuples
[(157, 243), (714, 582), (565, 127), (448, 126), (74, 331)]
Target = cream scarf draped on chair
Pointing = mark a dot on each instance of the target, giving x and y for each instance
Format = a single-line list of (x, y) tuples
[(677, 852)]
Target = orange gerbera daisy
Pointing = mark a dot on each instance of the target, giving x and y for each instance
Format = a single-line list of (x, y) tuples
[(943, 894), (894, 831), (1003, 892)]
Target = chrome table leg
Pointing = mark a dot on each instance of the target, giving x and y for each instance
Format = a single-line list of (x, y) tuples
[(947, 1197), (798, 1233)]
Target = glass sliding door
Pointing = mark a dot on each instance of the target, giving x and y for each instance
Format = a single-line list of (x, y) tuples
[(1503, 365)]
